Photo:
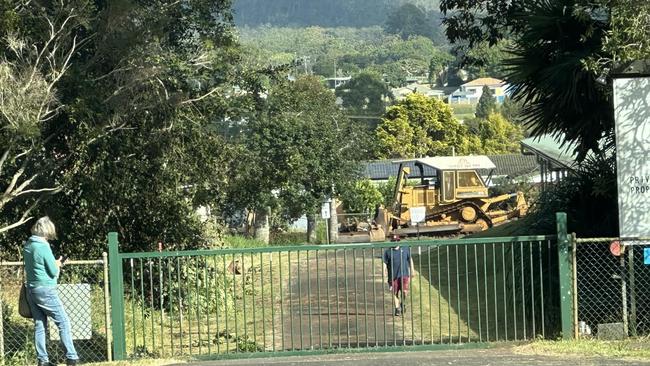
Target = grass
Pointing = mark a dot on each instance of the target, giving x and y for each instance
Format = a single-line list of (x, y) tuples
[(636, 349)]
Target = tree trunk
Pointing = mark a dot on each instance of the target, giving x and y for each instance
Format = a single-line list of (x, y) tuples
[(311, 228), (334, 222), (262, 229)]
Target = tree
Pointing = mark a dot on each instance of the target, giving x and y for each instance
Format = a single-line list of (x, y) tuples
[(486, 103), (419, 126), (548, 70), (498, 135), (409, 19), (361, 196), (133, 108), (365, 94), (278, 171)]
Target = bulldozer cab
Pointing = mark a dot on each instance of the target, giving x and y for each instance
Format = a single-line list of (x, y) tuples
[(457, 176)]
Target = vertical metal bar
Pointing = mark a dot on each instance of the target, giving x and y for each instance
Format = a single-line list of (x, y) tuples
[(356, 301), (478, 295), (196, 297), (319, 302), (541, 290), (429, 288), (365, 294), (403, 298), (143, 302), (487, 297), (523, 288), (281, 299), (439, 299), (467, 299), (107, 313), (458, 292), (505, 289), (272, 301), (208, 312), (225, 303), (253, 305), (496, 304), (262, 297), (234, 301), (133, 300), (300, 315), (170, 291), (408, 265), (448, 295), (151, 297), (161, 286), (118, 333), (189, 303), (514, 288), (290, 289), (243, 297), (347, 302), (217, 302), (420, 293), (374, 294), (2, 334), (532, 288), (566, 296), (311, 340), (329, 310), (383, 300)]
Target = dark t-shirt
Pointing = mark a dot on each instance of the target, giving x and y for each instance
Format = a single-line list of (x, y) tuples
[(398, 262)]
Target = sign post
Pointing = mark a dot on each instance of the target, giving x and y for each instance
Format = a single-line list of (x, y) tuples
[(417, 216), (326, 214)]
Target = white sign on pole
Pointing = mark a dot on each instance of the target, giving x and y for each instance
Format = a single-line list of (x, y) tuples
[(417, 214), (325, 210), (632, 117)]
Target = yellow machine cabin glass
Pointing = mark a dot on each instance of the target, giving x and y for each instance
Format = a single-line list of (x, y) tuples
[(449, 186), (469, 179)]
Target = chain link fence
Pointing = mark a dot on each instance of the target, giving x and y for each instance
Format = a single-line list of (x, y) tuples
[(612, 283), (83, 290)]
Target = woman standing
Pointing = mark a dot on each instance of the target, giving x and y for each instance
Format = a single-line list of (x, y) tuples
[(42, 272)]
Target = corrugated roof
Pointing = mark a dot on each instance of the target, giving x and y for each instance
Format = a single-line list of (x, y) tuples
[(552, 149), (511, 165), (484, 81)]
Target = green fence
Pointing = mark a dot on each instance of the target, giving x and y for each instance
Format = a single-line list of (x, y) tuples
[(283, 299)]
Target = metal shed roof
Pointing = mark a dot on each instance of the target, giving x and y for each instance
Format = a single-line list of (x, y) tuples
[(456, 162)]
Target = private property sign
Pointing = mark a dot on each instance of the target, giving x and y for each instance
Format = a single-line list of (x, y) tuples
[(632, 117)]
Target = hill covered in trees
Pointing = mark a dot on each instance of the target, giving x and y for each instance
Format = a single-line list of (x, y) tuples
[(331, 13)]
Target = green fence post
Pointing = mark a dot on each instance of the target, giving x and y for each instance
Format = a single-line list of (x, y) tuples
[(117, 297), (566, 275)]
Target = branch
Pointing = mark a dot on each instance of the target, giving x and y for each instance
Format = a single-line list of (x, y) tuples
[(201, 97), (24, 218), (4, 157)]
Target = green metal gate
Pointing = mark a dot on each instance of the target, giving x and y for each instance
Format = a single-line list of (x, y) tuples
[(322, 298)]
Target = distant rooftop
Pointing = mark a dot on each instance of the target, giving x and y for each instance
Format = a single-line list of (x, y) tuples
[(485, 81)]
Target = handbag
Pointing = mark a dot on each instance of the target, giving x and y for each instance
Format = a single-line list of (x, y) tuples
[(23, 306)]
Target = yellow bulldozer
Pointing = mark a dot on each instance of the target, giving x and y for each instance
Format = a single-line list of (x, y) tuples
[(455, 200)]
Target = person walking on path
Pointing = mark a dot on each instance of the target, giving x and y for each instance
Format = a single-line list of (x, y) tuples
[(399, 268), (42, 272)]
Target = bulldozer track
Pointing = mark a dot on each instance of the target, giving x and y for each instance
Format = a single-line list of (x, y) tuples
[(454, 207)]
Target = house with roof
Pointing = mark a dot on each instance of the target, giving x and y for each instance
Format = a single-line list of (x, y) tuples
[(470, 93), (556, 158), (424, 89)]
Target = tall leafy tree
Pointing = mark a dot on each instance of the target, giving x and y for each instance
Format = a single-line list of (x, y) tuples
[(486, 103), (300, 147), (136, 102), (365, 93), (420, 126)]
